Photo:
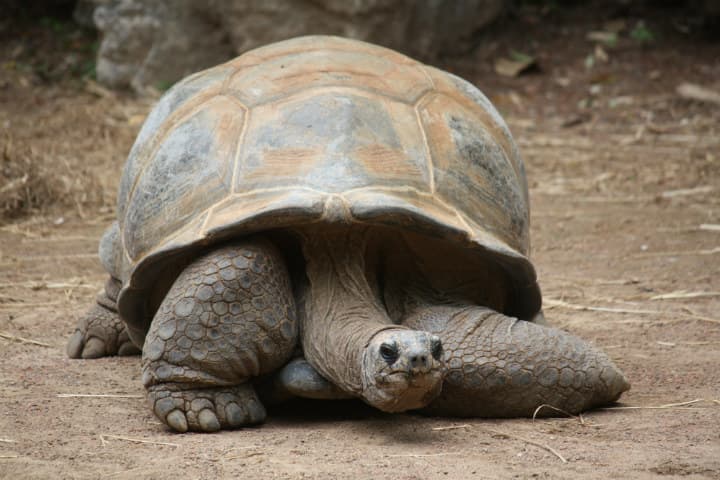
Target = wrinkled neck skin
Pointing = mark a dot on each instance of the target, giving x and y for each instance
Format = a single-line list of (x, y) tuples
[(341, 311)]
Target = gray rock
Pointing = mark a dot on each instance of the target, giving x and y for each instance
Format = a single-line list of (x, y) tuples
[(152, 43)]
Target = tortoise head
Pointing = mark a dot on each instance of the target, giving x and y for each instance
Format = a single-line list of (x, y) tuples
[(402, 369)]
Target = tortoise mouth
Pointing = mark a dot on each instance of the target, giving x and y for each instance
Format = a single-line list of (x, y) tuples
[(404, 377), (400, 390), (402, 384)]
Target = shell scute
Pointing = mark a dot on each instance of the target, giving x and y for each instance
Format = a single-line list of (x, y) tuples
[(312, 130), (173, 190), (332, 141), (473, 172), (183, 98)]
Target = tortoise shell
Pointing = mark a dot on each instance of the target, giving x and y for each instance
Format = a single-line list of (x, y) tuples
[(318, 129)]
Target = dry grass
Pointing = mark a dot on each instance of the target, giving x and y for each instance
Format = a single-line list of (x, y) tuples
[(62, 147), (51, 160), (31, 181)]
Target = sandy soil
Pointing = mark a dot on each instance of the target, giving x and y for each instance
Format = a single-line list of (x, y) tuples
[(625, 189)]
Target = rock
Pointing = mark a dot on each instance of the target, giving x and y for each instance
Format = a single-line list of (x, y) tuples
[(152, 43)]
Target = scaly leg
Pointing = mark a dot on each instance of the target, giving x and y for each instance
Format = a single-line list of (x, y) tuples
[(101, 332), (230, 316), (503, 367)]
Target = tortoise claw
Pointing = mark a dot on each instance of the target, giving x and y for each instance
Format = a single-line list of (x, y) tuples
[(177, 421), (206, 409), (94, 348), (100, 333)]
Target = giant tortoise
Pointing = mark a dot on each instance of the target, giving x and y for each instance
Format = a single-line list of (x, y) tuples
[(328, 218)]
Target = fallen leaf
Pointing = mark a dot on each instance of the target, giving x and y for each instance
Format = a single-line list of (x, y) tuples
[(136, 119), (615, 26), (621, 101), (98, 90), (660, 129), (574, 121), (563, 81), (513, 67), (601, 54), (692, 91), (608, 38)]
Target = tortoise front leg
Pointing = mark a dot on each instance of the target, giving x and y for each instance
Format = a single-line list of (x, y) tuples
[(230, 316), (101, 332), (503, 367)]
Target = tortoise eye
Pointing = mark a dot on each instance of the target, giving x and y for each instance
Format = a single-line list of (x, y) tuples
[(389, 352), (437, 348)]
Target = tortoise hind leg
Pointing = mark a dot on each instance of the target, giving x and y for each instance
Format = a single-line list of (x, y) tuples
[(101, 332), (503, 367), (230, 316)]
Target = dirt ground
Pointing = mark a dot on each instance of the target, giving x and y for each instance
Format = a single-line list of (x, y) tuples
[(625, 189)]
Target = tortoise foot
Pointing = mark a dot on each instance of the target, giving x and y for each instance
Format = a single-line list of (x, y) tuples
[(100, 333), (206, 409)]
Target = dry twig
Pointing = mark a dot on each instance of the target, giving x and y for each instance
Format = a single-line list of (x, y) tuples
[(530, 442), (16, 305), (684, 192), (65, 238), (451, 427), (680, 253), (550, 303), (674, 406), (572, 306), (422, 455), (98, 395), (31, 258), (33, 285), (497, 433), (6, 440), (684, 294), (15, 338), (545, 405), (104, 437)]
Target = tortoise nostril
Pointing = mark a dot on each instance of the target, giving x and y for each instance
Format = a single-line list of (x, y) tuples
[(418, 361)]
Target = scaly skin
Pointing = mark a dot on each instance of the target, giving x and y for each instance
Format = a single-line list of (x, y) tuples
[(230, 316), (345, 329), (101, 332), (499, 366)]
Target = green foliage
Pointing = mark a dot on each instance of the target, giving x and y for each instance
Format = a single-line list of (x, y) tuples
[(642, 33), (56, 25), (87, 70), (611, 39), (164, 85), (520, 57)]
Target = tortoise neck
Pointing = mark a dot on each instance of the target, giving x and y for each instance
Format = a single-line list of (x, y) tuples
[(342, 311)]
